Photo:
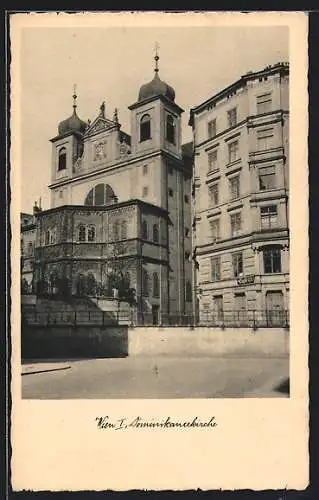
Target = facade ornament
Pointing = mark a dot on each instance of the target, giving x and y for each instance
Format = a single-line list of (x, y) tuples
[(124, 149), (78, 165), (102, 109), (115, 116)]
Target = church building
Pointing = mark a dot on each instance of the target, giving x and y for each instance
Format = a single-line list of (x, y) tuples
[(120, 211)]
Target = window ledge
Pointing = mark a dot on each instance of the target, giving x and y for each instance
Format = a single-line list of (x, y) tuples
[(213, 171), (231, 163)]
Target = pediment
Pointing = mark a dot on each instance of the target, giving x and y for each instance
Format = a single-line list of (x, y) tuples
[(99, 125)]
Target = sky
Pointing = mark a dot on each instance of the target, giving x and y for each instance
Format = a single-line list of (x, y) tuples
[(111, 63)]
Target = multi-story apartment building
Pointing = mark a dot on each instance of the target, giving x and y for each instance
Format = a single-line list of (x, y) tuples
[(240, 197), (120, 204), (27, 245)]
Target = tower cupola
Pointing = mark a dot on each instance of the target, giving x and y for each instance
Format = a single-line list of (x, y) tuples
[(73, 123), (156, 87)]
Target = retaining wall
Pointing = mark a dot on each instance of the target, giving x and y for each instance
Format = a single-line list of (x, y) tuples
[(208, 341), (118, 341), (70, 342)]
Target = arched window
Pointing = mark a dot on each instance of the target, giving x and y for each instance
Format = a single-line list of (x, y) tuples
[(101, 194), (123, 230), (53, 236), (188, 291), (116, 232), (30, 248), (62, 159), (155, 285), (89, 200), (170, 129), (81, 233), (145, 283), (144, 230), (80, 284), (90, 284), (155, 233), (145, 128), (91, 233), (47, 238), (53, 281)]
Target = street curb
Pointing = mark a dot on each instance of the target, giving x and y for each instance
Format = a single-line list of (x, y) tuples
[(46, 370)]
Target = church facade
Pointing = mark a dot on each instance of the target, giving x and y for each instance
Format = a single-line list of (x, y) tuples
[(120, 211)]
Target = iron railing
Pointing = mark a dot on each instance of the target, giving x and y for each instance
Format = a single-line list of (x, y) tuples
[(76, 318), (223, 319)]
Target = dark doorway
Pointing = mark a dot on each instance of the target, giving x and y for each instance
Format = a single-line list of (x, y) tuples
[(155, 315)]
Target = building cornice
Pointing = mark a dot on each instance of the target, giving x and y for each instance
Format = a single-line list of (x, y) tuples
[(119, 164), (281, 68), (68, 134), (104, 208), (266, 237), (160, 97), (249, 121)]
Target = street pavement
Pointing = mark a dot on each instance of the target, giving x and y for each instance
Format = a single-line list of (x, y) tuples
[(157, 377)]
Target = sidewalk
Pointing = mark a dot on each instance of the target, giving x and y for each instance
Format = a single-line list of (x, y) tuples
[(31, 368)]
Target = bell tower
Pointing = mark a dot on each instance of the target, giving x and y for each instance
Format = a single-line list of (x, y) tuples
[(156, 118), (67, 146)]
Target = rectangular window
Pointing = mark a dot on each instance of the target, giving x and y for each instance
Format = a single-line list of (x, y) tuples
[(145, 169), (234, 187), (263, 103), (145, 191), (235, 224), (238, 267), (212, 161), (265, 139), (272, 260), (232, 117), (233, 151), (215, 229), (211, 126), (267, 178), (61, 194), (170, 192), (186, 198), (268, 216), (213, 194), (215, 269)]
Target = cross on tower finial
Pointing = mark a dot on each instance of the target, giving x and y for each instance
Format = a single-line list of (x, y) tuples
[(74, 96), (156, 56)]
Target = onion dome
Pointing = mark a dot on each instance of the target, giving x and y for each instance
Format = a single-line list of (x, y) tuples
[(73, 123), (156, 87)]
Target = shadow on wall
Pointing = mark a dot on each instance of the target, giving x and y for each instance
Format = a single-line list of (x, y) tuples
[(74, 342), (284, 387)]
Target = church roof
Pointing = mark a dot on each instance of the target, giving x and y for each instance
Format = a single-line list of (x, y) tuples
[(155, 88), (72, 124)]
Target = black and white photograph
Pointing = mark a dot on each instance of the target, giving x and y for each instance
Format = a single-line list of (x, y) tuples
[(153, 169)]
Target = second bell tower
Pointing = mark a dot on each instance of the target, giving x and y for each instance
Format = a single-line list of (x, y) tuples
[(156, 118)]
